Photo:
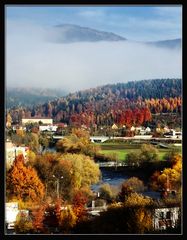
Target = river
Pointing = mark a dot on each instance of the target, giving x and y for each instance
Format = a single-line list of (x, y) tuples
[(116, 178)]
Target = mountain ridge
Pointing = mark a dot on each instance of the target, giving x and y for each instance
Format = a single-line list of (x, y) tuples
[(170, 43), (72, 33)]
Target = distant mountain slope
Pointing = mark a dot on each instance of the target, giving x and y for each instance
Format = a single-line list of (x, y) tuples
[(68, 33), (71, 33), (27, 97), (174, 43)]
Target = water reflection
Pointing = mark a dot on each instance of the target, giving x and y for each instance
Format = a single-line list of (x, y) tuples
[(116, 178)]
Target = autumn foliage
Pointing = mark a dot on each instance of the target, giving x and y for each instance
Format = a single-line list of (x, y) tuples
[(23, 182), (79, 202), (127, 103), (38, 218), (169, 178)]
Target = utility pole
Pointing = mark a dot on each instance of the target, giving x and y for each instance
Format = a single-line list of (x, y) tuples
[(167, 182), (57, 185)]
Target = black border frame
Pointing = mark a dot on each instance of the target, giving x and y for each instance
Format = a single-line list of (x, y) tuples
[(2, 116)]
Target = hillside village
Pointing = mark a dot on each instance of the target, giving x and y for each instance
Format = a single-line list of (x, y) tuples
[(163, 216)]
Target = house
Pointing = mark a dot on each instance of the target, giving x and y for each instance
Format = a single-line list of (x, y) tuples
[(132, 129), (84, 126), (114, 127), (17, 127), (173, 134), (12, 151), (145, 131), (158, 130), (165, 217), (43, 120), (11, 212), (138, 128), (49, 128), (166, 129), (148, 129), (61, 125)]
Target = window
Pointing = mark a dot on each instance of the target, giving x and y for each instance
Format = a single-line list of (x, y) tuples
[(161, 215), (168, 215)]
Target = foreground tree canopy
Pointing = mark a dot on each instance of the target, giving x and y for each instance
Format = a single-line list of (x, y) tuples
[(23, 182), (78, 171), (132, 216)]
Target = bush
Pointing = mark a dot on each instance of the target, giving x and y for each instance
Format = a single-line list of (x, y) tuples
[(133, 159), (23, 226), (130, 186), (106, 192), (148, 153)]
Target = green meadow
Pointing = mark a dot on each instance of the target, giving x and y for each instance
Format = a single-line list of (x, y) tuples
[(122, 149)]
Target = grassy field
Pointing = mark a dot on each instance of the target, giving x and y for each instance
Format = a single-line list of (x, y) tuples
[(123, 149)]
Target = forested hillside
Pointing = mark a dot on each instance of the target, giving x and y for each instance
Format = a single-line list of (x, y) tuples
[(121, 103), (28, 97)]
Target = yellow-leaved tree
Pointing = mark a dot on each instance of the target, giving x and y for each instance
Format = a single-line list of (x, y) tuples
[(169, 178)]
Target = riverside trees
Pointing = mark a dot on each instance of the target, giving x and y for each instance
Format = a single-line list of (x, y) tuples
[(147, 153), (169, 178), (77, 142), (79, 172), (73, 162)]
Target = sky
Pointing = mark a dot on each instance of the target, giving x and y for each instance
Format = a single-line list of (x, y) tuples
[(32, 60)]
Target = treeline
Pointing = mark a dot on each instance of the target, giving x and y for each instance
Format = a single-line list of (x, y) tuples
[(122, 103)]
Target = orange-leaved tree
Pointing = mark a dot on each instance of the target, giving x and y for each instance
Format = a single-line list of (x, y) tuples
[(38, 218), (23, 182), (79, 202)]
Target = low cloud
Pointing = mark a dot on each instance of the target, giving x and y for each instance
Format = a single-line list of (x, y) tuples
[(31, 61)]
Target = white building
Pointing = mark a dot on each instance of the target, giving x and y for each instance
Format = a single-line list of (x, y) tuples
[(138, 128), (11, 212), (37, 120), (148, 129), (49, 128), (166, 217), (173, 134), (166, 129), (114, 127), (17, 127), (12, 152)]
